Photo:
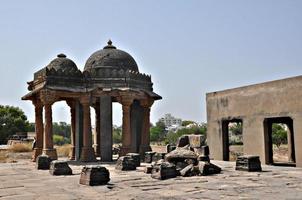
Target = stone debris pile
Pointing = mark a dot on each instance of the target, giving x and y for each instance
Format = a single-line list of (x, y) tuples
[(190, 158)]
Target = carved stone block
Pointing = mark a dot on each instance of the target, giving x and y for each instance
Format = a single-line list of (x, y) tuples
[(43, 162), (149, 156), (58, 168), (248, 163), (94, 175), (163, 170), (125, 163), (207, 168), (136, 157)]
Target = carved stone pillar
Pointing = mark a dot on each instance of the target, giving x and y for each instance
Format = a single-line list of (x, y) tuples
[(72, 105), (87, 153), (48, 98), (126, 129), (48, 140), (145, 137), (38, 129), (97, 134)]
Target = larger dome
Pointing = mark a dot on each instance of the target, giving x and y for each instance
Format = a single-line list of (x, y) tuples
[(111, 57)]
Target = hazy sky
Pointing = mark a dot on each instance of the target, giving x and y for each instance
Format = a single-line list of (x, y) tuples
[(189, 47)]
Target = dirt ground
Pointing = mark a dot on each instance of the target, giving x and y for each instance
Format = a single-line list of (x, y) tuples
[(22, 180)]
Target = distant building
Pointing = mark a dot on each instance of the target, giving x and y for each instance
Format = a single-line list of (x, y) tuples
[(169, 120)]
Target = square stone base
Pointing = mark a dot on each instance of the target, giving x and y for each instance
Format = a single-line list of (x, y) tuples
[(87, 154), (52, 153), (36, 153)]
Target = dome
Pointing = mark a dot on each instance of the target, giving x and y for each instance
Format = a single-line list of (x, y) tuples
[(111, 57), (62, 63)]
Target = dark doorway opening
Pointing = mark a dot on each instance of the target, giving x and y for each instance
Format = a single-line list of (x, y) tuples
[(232, 139), (279, 141)]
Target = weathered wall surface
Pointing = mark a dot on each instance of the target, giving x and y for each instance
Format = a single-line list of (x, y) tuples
[(252, 104)]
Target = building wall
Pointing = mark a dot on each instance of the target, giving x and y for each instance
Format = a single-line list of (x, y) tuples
[(252, 104)]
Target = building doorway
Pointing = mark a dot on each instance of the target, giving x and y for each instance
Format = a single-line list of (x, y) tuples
[(232, 139), (279, 141)]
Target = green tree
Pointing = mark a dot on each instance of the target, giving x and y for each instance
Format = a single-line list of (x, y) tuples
[(12, 120), (61, 128), (279, 134), (117, 135), (236, 128), (187, 122), (157, 132)]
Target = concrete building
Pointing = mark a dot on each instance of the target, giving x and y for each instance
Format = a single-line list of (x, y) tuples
[(169, 120), (257, 107)]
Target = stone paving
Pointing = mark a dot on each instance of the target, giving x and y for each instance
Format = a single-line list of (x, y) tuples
[(23, 181)]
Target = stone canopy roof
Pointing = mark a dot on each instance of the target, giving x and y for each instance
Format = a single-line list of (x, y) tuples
[(109, 69)]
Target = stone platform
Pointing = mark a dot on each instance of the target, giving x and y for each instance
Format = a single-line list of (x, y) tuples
[(22, 180)]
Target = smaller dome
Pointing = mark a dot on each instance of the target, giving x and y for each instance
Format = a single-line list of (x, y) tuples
[(63, 63)]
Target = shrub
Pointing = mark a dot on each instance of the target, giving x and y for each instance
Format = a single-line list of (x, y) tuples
[(20, 147), (64, 150), (60, 140)]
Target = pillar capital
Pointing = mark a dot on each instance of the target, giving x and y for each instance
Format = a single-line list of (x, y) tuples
[(48, 97), (146, 103), (85, 100), (126, 100), (37, 102), (71, 103)]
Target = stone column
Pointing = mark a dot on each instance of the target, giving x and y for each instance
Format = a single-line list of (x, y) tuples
[(97, 134), (106, 128), (126, 129), (38, 129), (71, 104), (48, 140), (145, 135), (87, 153)]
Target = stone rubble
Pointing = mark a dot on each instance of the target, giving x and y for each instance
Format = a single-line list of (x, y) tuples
[(58, 168), (94, 175), (125, 163)]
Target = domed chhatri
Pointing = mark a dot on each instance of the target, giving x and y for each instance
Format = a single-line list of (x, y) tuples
[(62, 63), (111, 57), (110, 75)]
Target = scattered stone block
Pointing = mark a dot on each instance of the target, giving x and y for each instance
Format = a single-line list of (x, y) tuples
[(202, 151), (183, 141), (148, 169), (170, 148), (181, 155), (125, 163), (136, 157), (187, 171), (148, 156), (94, 175), (203, 158), (43, 162), (248, 163), (207, 168), (196, 141), (59, 168), (158, 156), (163, 170)]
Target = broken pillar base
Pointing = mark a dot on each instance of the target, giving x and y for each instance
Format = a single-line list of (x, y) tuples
[(87, 154), (125, 163), (43, 162), (248, 163), (149, 156), (36, 153), (94, 175), (207, 168), (59, 168), (163, 170), (52, 153), (136, 157)]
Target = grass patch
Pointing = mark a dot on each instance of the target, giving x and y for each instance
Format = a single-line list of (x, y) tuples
[(64, 150), (20, 147)]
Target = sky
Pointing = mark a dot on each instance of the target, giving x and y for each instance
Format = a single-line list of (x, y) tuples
[(189, 47)]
